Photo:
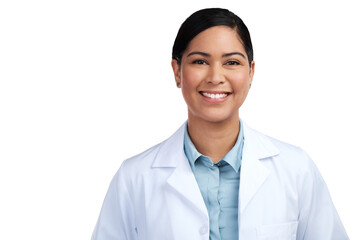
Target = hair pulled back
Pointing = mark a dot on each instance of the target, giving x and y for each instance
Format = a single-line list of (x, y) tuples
[(207, 18)]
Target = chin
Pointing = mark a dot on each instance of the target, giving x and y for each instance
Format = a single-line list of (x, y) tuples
[(217, 117)]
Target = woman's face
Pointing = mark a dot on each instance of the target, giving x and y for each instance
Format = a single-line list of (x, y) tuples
[(214, 75)]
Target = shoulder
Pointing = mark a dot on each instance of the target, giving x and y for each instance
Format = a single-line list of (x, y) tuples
[(142, 160), (294, 158), (288, 149), (285, 155), (164, 154)]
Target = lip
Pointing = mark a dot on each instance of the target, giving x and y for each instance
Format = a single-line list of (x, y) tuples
[(217, 99)]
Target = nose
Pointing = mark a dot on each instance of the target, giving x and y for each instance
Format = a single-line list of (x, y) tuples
[(216, 75)]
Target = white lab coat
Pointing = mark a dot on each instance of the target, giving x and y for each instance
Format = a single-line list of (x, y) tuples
[(155, 196)]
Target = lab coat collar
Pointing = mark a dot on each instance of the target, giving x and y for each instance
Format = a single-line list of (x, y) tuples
[(253, 173), (172, 150)]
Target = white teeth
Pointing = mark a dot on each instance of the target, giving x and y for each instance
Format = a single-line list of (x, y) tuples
[(214, 96)]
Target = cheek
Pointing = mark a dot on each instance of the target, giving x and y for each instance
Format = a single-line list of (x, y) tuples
[(190, 78), (240, 82)]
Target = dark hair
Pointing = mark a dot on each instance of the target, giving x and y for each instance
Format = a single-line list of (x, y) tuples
[(207, 18)]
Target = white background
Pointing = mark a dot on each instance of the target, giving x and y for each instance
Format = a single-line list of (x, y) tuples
[(87, 84)]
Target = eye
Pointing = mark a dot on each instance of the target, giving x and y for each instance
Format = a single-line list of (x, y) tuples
[(232, 63), (199, 61)]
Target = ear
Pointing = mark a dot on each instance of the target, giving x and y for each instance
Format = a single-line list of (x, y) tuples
[(177, 74), (252, 71)]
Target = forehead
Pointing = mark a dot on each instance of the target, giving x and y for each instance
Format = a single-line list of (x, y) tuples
[(218, 38)]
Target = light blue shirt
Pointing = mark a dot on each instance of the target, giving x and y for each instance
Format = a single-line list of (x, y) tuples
[(219, 186)]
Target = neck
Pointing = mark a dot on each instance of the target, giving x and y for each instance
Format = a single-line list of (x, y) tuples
[(214, 139)]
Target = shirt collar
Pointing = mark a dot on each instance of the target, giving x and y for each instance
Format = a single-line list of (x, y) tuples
[(233, 157)]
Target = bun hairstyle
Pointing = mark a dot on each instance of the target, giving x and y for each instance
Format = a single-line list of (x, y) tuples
[(207, 18)]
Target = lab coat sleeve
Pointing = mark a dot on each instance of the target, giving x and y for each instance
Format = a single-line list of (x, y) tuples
[(318, 217), (116, 220)]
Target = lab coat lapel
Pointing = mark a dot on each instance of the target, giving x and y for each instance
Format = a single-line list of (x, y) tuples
[(184, 182), (182, 179), (253, 172)]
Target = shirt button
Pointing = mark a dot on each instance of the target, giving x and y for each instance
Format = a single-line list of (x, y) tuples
[(203, 230)]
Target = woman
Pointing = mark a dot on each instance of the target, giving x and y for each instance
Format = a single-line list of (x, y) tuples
[(216, 178)]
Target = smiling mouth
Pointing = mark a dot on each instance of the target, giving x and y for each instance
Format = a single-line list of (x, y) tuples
[(214, 95)]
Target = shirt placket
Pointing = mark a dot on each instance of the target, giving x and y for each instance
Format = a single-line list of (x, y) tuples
[(212, 198)]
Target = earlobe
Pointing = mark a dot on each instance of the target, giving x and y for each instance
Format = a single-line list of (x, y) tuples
[(176, 69)]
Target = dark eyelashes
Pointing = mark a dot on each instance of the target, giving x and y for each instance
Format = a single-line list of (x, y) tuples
[(232, 63), (198, 62), (201, 62)]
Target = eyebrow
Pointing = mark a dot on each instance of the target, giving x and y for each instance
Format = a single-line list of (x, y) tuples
[(234, 53), (199, 53), (224, 55)]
